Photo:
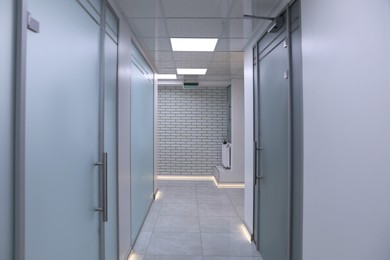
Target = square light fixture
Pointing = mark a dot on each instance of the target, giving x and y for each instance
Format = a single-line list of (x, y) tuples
[(166, 76), (193, 44), (191, 71)]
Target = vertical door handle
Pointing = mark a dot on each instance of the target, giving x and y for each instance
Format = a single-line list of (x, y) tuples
[(256, 150), (104, 187), (254, 161)]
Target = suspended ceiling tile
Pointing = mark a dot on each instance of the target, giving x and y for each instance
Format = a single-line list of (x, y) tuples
[(259, 8), (162, 55), (148, 27), (192, 64), (157, 44), (193, 28), (165, 64), (141, 8), (218, 71), (225, 67), (247, 7), (221, 56), (268, 7), (239, 7), (194, 56), (240, 28), (220, 65), (196, 8), (188, 18), (217, 77), (166, 70), (228, 56), (231, 44)]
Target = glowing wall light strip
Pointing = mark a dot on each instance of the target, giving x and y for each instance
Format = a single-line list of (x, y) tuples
[(133, 256), (184, 178), (158, 195), (201, 178), (245, 233)]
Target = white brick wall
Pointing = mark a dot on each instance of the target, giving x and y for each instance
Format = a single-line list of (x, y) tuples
[(191, 124)]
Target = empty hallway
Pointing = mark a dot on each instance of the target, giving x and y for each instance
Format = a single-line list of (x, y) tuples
[(195, 220), (195, 129)]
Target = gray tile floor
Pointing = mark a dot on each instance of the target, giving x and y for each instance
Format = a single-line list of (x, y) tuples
[(195, 220)]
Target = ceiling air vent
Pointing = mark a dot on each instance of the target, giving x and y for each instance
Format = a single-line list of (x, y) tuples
[(190, 85)]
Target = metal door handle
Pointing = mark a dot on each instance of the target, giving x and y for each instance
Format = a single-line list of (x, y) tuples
[(104, 188), (104, 208), (255, 159), (256, 150)]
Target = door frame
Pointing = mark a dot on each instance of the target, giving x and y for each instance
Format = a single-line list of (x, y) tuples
[(20, 128), (292, 22), (20, 125), (103, 36)]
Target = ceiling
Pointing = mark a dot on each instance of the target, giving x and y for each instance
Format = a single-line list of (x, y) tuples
[(154, 22)]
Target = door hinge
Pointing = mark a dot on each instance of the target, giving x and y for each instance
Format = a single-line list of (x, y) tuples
[(32, 24)]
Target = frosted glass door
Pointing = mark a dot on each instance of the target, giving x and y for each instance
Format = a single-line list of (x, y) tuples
[(141, 147), (7, 51), (110, 134), (273, 228), (62, 105)]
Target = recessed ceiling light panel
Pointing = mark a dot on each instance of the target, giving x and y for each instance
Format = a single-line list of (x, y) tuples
[(191, 71), (193, 44)]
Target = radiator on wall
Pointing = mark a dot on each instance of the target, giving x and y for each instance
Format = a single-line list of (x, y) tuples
[(226, 155)]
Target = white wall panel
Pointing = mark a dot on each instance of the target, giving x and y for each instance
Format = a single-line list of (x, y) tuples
[(346, 66), (248, 137), (237, 89)]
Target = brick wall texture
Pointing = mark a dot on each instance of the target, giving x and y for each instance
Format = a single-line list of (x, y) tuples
[(191, 124)]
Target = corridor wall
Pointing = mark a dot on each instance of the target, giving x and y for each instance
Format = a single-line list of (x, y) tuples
[(142, 141), (63, 134), (127, 41), (124, 67), (237, 109), (346, 101)]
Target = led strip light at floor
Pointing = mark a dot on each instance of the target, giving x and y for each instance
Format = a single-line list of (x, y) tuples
[(201, 178)]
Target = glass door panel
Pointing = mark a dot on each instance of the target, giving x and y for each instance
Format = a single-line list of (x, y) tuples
[(7, 52), (62, 105), (141, 145), (273, 229)]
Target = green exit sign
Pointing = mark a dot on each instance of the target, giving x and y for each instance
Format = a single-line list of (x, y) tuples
[(188, 85)]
